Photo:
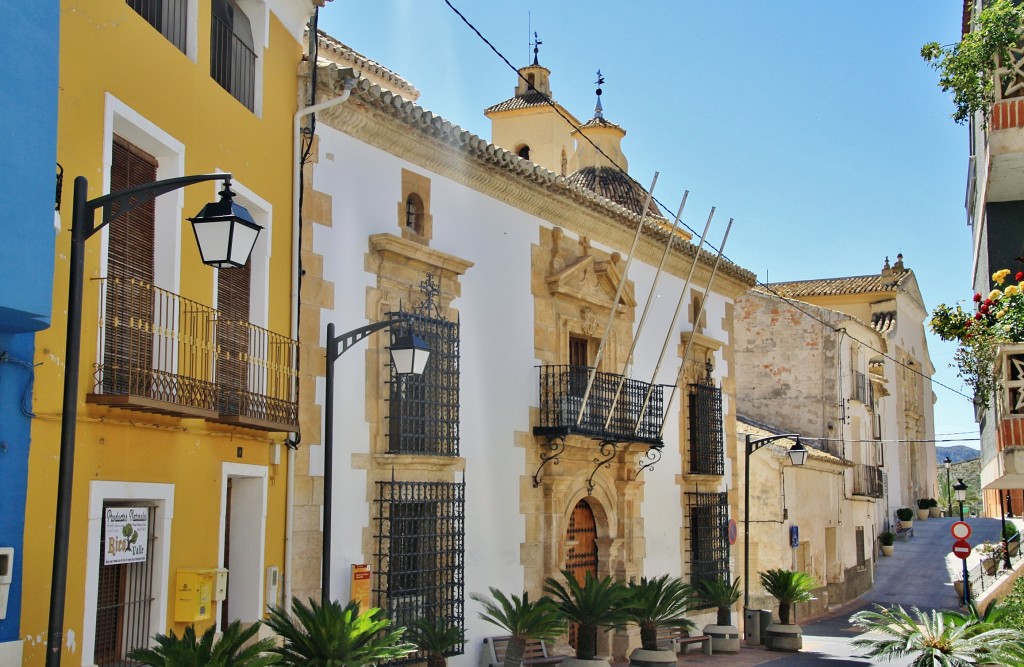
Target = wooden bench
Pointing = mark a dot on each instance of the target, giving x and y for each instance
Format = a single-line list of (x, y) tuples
[(905, 532), (678, 639), (535, 653)]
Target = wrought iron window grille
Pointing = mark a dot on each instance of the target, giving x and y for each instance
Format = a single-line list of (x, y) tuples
[(420, 558), (707, 516), (707, 451), (423, 415)]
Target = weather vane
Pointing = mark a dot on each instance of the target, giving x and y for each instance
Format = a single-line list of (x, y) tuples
[(599, 109), (536, 44)]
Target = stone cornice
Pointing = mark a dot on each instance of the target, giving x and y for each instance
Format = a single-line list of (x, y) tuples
[(382, 119)]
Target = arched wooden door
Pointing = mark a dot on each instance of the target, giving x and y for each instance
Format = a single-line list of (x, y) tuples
[(582, 556)]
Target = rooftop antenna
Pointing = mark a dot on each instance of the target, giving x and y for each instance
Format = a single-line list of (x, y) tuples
[(599, 110), (536, 43)]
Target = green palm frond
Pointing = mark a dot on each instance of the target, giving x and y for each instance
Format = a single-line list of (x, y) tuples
[(231, 650), (435, 636), (788, 586), (519, 616), (330, 635), (657, 602), (940, 638), (598, 603)]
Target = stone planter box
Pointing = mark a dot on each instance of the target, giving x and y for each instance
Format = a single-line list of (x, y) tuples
[(923, 514), (779, 637), (935, 512), (887, 549)]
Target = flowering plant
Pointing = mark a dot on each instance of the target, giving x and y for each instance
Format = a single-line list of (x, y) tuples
[(996, 318)]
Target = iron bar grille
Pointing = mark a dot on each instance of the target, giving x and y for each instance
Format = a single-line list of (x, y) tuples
[(708, 516), (264, 387), (232, 63), (123, 604), (423, 415), (707, 454), (160, 349), (561, 395), (169, 17), (859, 540), (867, 481), (421, 553)]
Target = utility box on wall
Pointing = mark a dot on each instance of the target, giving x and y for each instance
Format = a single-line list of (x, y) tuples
[(6, 577), (195, 592)]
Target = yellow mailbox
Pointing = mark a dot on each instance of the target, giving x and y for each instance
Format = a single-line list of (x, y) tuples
[(193, 595)]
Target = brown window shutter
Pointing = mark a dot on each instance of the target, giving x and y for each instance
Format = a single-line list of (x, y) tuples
[(130, 249), (232, 337)]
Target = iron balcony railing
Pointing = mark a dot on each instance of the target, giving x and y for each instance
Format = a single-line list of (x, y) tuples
[(170, 17), (561, 397), (868, 481), (232, 63), (160, 352)]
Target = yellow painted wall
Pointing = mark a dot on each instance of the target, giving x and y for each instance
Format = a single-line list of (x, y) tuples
[(105, 47)]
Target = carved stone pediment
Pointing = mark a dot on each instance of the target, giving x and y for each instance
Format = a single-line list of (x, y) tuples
[(589, 280)]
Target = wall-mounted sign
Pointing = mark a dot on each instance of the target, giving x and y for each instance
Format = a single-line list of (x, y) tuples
[(361, 586), (126, 532)]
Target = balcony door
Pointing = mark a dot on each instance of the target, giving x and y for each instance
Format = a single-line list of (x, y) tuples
[(233, 297), (127, 342)]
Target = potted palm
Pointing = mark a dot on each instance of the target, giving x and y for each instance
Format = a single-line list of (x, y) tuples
[(598, 603), (887, 542), (522, 619), (655, 603), (923, 509), (329, 634), (934, 511), (235, 648), (436, 638), (722, 595), (788, 587), (906, 516)]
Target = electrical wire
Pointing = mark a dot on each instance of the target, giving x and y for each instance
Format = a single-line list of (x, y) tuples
[(663, 207)]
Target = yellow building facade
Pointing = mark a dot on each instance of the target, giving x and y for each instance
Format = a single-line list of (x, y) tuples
[(187, 391)]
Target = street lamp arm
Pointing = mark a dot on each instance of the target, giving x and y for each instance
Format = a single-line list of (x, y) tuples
[(116, 204), (338, 345), (754, 445)]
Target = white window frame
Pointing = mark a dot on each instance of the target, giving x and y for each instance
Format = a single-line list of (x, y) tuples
[(101, 492)]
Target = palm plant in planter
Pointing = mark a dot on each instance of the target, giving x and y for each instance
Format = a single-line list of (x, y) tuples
[(934, 511), (436, 638), (923, 509), (329, 635), (722, 595), (887, 540), (598, 603), (788, 587), (655, 603), (522, 619), (233, 649)]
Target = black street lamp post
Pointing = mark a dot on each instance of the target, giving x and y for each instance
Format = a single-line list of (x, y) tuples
[(409, 353), (960, 489), (949, 497), (226, 234), (798, 455)]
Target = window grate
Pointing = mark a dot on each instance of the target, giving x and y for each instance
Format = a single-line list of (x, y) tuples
[(232, 59), (170, 17), (707, 455), (420, 555), (123, 604), (424, 409), (708, 530)]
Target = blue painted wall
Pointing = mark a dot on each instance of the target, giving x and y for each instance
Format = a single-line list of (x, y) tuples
[(29, 47)]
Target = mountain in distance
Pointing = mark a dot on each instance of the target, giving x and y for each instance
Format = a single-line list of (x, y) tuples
[(956, 453)]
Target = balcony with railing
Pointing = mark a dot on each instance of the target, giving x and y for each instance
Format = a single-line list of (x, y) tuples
[(232, 62), (868, 481), (618, 409), (162, 353)]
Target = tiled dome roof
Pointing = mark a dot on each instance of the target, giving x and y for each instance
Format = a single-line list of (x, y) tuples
[(615, 186)]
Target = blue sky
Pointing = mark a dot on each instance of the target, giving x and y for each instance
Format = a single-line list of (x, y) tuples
[(813, 123)]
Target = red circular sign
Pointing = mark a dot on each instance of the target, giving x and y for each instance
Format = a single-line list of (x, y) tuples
[(732, 531), (960, 530), (961, 549)]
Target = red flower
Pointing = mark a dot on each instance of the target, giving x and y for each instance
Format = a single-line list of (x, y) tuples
[(977, 297), (1019, 276), (988, 302), (977, 316), (983, 309)]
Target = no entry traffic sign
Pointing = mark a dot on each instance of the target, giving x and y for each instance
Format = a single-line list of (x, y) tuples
[(961, 549), (960, 530)]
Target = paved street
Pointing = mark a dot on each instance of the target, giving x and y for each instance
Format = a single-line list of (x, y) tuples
[(918, 574)]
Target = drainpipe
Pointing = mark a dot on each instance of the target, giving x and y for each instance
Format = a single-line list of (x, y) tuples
[(349, 83)]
